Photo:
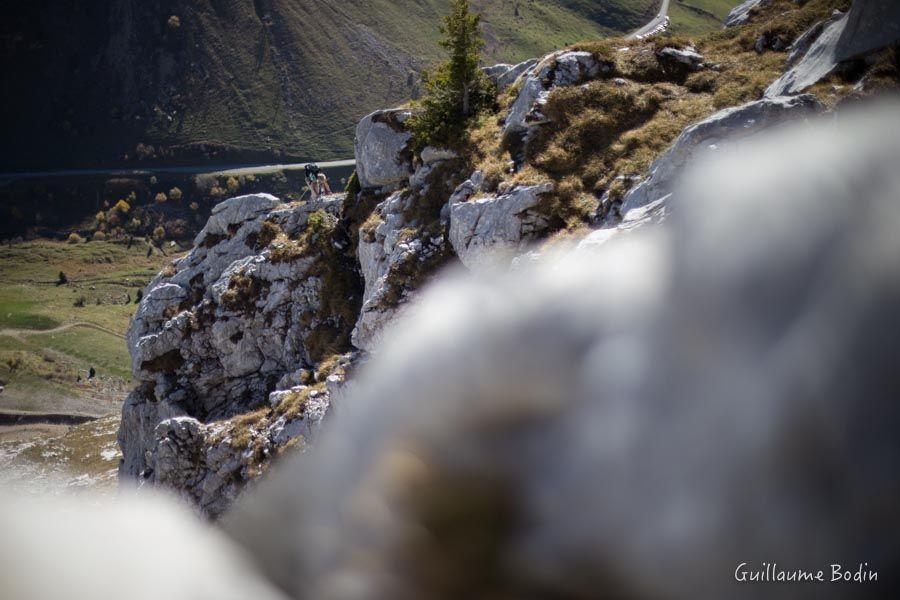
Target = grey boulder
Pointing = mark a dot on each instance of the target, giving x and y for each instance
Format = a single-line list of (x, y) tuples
[(383, 153), (497, 227), (504, 75), (725, 126)]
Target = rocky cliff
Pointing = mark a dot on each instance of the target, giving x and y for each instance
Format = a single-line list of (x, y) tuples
[(243, 348)]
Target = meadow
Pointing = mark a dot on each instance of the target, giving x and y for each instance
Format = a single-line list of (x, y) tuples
[(53, 330)]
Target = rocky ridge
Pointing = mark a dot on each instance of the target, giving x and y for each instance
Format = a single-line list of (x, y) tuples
[(237, 347)]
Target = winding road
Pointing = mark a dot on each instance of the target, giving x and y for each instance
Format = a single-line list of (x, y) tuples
[(222, 170), (658, 21)]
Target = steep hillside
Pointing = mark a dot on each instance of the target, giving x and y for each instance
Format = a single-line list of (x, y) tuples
[(239, 79), (697, 16)]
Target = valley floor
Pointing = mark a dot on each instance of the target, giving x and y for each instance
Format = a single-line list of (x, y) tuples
[(52, 334), (49, 458), (57, 425)]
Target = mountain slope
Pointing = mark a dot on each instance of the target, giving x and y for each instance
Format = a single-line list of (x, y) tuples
[(92, 81)]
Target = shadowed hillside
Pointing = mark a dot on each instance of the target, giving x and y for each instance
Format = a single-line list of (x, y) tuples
[(175, 80)]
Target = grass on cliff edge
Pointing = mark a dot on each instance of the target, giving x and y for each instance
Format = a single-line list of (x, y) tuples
[(604, 135), (40, 371)]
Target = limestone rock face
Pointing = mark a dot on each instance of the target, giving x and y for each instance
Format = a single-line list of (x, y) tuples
[(504, 75), (494, 227), (559, 69), (817, 62), (741, 13), (872, 24), (383, 256), (633, 220), (383, 155), (801, 45), (212, 337), (726, 126), (688, 57), (866, 27)]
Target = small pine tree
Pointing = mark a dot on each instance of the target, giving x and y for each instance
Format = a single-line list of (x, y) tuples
[(457, 89), (463, 41)]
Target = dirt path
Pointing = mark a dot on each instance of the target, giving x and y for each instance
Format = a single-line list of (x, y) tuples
[(27, 433), (20, 333)]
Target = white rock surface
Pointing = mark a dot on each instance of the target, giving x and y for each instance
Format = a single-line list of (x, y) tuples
[(818, 61), (805, 40), (635, 219), (740, 13), (431, 155), (504, 75), (198, 358), (390, 248), (866, 27), (688, 57), (724, 127), (559, 69), (497, 227), (383, 155)]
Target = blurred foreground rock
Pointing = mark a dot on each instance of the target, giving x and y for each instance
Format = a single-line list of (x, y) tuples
[(636, 418)]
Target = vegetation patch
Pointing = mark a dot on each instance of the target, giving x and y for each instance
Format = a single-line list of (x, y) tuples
[(243, 292)]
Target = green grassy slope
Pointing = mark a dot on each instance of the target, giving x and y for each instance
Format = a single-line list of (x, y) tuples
[(93, 80), (698, 16), (47, 341)]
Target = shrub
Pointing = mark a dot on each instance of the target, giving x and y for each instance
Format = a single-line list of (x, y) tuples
[(267, 233), (175, 194), (194, 206), (174, 23), (232, 185), (352, 188), (160, 198), (159, 233), (99, 236), (286, 250), (204, 182), (242, 293), (122, 207), (79, 302), (74, 238)]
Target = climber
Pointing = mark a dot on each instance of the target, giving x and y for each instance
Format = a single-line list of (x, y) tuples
[(316, 180)]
